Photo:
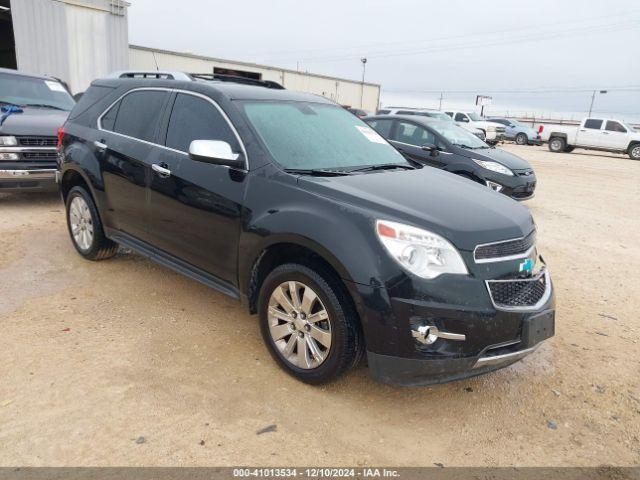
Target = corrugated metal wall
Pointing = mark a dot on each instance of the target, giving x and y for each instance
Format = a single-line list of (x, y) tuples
[(345, 92), (75, 40)]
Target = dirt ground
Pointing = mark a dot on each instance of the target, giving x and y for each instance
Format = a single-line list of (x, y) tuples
[(124, 362)]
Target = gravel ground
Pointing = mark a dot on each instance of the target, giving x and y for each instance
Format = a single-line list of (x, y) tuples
[(124, 362)]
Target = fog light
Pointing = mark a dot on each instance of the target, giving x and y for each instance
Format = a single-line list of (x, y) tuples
[(496, 187), (9, 156), (428, 334)]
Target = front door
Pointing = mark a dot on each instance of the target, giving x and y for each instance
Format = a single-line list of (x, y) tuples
[(409, 138), (614, 135), (590, 134), (195, 209)]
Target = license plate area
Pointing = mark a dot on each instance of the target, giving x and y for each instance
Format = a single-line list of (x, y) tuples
[(538, 328)]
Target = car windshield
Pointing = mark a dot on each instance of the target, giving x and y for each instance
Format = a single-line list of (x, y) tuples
[(312, 136), (458, 136), (26, 91), (438, 115), (475, 117)]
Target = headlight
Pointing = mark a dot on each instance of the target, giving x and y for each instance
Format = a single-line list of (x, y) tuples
[(494, 167), (8, 141), (423, 253)]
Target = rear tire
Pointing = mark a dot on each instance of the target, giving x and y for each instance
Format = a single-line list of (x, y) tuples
[(313, 351), (522, 139), (85, 226), (557, 144), (634, 152)]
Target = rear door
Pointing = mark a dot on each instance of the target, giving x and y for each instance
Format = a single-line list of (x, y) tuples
[(615, 135), (128, 131), (590, 133), (409, 138), (195, 210)]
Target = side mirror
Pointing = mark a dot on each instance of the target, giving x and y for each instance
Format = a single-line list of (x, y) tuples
[(431, 148), (216, 152)]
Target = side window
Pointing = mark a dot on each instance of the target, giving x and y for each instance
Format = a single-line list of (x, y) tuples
[(413, 135), (593, 124), (461, 117), (108, 120), (383, 112), (450, 114), (194, 118), (138, 114), (406, 112), (615, 127), (383, 127)]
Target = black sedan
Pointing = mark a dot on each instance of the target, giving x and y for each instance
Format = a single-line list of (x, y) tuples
[(451, 148)]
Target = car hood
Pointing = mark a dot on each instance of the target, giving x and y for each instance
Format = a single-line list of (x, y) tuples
[(507, 159), (34, 121), (464, 212)]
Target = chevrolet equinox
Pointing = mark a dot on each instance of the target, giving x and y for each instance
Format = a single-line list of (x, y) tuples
[(294, 206)]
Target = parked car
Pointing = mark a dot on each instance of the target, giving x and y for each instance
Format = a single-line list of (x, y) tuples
[(494, 132), (292, 205), (445, 145), (608, 135), (358, 112), (521, 134), (433, 114), (32, 109)]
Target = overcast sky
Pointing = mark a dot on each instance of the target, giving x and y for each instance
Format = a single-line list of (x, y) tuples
[(537, 56)]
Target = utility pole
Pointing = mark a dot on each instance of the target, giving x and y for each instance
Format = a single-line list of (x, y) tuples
[(440, 104), (364, 68), (593, 97)]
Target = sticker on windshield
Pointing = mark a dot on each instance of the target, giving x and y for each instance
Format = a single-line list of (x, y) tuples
[(370, 134), (54, 86)]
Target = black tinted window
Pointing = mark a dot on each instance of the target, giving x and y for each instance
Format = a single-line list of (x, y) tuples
[(139, 113), (413, 135), (382, 112), (593, 123), (383, 127), (406, 112), (109, 119), (194, 118), (615, 127), (460, 117)]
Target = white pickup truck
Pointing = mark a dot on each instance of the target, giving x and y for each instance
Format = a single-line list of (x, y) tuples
[(604, 134), (493, 131)]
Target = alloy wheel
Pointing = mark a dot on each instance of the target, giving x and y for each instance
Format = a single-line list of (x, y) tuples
[(521, 139), (635, 152), (299, 325), (556, 145), (81, 223)]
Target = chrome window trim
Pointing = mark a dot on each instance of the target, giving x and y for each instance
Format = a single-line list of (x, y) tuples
[(176, 90), (544, 299), (516, 256)]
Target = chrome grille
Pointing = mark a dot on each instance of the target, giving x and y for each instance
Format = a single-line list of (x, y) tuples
[(520, 293), (508, 248), (38, 141)]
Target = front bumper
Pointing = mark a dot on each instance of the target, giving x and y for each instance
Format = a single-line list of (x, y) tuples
[(33, 179)]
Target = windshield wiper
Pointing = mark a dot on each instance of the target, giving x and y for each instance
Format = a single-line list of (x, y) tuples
[(43, 105), (384, 166), (316, 172)]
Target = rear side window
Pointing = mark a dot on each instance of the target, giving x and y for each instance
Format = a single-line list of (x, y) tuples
[(615, 127), (593, 124), (194, 118), (138, 114), (460, 117), (383, 127)]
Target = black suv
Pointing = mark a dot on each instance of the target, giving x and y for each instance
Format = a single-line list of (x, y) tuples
[(452, 148), (294, 206), (32, 109)]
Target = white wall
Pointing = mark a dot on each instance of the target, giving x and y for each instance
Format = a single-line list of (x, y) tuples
[(344, 92)]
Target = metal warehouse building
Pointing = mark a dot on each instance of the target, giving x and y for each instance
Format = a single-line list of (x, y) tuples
[(80, 40)]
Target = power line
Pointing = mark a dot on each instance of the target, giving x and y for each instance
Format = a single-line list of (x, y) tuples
[(543, 90)]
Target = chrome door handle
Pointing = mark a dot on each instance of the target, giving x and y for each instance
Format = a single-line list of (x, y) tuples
[(160, 170), (100, 145)]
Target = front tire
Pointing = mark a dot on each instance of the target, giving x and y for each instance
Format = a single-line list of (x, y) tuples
[(634, 152), (85, 227), (309, 323), (557, 144), (522, 139)]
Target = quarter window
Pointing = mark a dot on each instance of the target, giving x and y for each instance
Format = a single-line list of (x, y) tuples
[(383, 127), (138, 114), (615, 127), (108, 120), (593, 124), (413, 135), (194, 118)]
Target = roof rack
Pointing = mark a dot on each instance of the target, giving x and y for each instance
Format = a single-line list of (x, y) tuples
[(237, 79), (190, 77)]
